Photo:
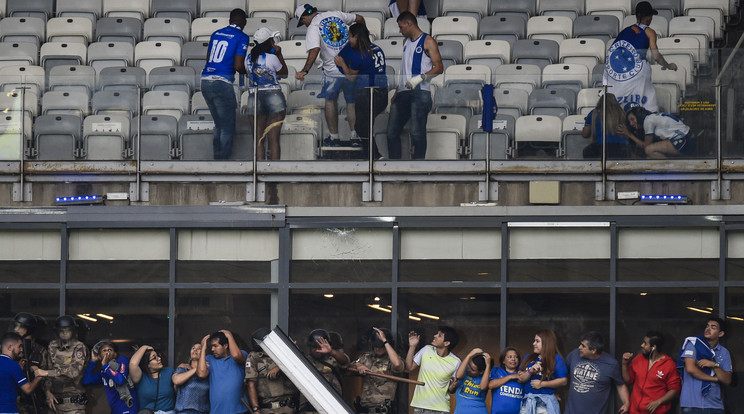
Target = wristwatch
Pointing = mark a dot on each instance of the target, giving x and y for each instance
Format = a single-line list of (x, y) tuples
[(385, 343), (255, 409), (716, 365)]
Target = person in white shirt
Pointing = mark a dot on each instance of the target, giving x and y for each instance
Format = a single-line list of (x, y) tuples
[(673, 136)]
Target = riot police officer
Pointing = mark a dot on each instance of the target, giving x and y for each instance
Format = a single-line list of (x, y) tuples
[(269, 390), (327, 360), (378, 394), (66, 361), (34, 354)]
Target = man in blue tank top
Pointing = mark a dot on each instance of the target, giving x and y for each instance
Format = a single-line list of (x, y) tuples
[(225, 56)]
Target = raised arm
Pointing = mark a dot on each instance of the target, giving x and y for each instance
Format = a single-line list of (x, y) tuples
[(484, 384), (134, 370), (180, 378), (235, 351), (463, 368), (413, 341), (626, 361), (202, 370)]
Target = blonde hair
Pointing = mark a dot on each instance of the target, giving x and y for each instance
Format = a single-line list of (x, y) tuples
[(615, 115)]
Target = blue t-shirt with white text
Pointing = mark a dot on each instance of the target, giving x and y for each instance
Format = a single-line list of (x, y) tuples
[(224, 45)]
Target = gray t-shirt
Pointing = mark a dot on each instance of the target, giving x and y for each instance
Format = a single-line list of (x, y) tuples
[(591, 383)]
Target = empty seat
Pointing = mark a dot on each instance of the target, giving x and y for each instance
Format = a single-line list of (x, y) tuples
[(167, 28), (680, 47), (393, 49), (573, 76), (203, 27), (717, 10), (534, 130), (501, 138), (554, 28), (514, 75), (21, 76), (70, 30), (106, 137), (586, 100), (122, 78), (492, 53), (535, 52), (568, 8), (295, 53), (473, 8), (374, 8), (505, 27), (42, 9), (65, 103), (194, 55), (450, 51), (556, 102), (602, 27), (23, 29), (173, 78), (295, 32), (463, 100), (57, 137), (158, 140), (511, 101), (328, 5), (138, 9), (299, 136), (524, 8), (176, 9), (272, 23), (460, 28), (110, 54), (391, 29), (78, 78), (19, 101), (617, 8), (115, 102), (62, 53), (445, 134), (119, 29), (467, 74), (658, 23), (573, 141), (275, 8), (13, 54), (199, 104), (673, 80), (585, 51), (196, 136), (220, 8), (14, 128), (699, 27), (666, 8), (151, 54), (90, 9), (304, 101), (172, 103)]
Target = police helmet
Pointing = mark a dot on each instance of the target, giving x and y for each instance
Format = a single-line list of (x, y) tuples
[(375, 341), (258, 335), (315, 335), (26, 320), (64, 321)]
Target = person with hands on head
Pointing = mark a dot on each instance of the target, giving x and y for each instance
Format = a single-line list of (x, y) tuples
[(11, 375), (437, 366), (507, 390), (662, 134), (113, 372), (542, 372), (471, 385), (192, 395), (225, 368), (378, 394), (154, 380), (653, 376), (705, 365), (268, 388)]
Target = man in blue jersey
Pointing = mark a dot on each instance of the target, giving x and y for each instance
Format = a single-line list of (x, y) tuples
[(11, 374), (225, 369), (626, 67), (226, 54)]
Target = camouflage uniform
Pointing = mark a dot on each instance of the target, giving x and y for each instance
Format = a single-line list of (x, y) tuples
[(279, 391), (327, 367), (36, 356), (66, 365), (377, 391)]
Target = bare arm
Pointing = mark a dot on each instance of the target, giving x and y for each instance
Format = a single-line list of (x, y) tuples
[(626, 361), (359, 19), (312, 54), (235, 351), (696, 372), (658, 57), (239, 64), (180, 378), (413, 340), (202, 371), (462, 369), (432, 50), (29, 387), (134, 370), (622, 391), (282, 73), (498, 382), (252, 393), (486, 373)]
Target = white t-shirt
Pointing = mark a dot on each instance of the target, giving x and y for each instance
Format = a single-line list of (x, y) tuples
[(264, 74), (664, 126), (330, 32)]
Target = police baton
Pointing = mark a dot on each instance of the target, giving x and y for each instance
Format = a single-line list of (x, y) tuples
[(394, 378)]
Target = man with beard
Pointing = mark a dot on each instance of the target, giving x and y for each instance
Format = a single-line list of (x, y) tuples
[(11, 374), (114, 374), (66, 365), (653, 376), (378, 394), (225, 370), (327, 360), (34, 353)]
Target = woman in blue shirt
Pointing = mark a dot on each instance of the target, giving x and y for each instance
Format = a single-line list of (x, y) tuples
[(363, 62), (193, 392), (541, 373), (507, 391), (472, 383), (617, 144), (154, 380)]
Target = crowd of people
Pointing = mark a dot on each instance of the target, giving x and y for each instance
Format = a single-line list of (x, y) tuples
[(221, 378)]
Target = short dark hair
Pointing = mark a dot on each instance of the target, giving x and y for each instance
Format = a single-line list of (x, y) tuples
[(10, 338), (407, 16), (595, 341), (480, 362), (450, 335), (721, 322), (220, 336), (656, 338), (506, 350), (236, 15)]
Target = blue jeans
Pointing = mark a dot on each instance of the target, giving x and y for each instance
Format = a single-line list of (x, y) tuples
[(220, 97), (693, 410), (414, 105)]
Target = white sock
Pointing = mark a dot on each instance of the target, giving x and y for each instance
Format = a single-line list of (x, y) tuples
[(334, 136)]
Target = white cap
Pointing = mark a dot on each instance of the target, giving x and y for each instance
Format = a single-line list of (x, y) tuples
[(263, 34), (303, 10)]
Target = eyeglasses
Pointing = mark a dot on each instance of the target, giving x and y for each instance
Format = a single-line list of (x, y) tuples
[(154, 357)]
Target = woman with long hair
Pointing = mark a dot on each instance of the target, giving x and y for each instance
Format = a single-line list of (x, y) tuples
[(363, 62), (193, 392), (542, 372), (154, 380), (507, 391), (265, 65), (663, 134), (617, 144)]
